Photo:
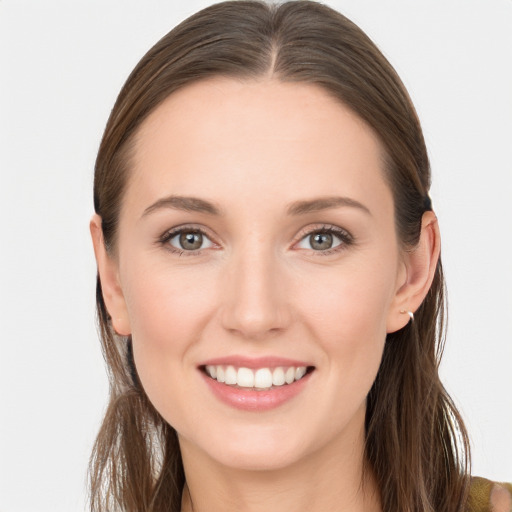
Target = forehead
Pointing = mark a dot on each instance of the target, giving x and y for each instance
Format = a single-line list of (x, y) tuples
[(224, 138)]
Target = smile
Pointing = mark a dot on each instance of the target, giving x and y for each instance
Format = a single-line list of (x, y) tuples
[(256, 378), (256, 384)]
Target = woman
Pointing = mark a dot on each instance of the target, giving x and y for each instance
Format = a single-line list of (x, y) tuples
[(270, 293)]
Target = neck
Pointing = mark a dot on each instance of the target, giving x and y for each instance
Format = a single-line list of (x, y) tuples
[(332, 479)]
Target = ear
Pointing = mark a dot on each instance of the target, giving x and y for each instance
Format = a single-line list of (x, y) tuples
[(109, 277), (420, 266)]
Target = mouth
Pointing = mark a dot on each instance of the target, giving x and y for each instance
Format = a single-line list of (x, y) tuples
[(257, 379)]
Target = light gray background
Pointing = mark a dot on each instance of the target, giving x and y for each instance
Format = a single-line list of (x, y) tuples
[(61, 66)]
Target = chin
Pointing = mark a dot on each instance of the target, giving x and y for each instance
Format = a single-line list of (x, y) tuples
[(258, 459), (249, 449)]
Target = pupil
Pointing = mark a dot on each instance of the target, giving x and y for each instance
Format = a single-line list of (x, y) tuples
[(322, 241), (191, 241)]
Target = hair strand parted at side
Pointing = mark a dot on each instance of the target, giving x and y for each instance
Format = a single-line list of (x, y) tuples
[(416, 442)]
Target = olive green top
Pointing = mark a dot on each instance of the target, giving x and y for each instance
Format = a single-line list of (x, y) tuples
[(487, 496)]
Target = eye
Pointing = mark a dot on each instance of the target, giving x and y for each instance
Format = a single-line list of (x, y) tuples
[(326, 240), (184, 240)]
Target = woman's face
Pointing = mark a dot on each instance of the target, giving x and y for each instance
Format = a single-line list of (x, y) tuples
[(257, 241)]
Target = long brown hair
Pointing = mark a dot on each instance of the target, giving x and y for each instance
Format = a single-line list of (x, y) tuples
[(416, 442)]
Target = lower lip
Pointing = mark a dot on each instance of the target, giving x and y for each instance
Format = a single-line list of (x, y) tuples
[(253, 400)]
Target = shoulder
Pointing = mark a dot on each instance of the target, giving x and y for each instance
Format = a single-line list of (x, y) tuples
[(488, 496)]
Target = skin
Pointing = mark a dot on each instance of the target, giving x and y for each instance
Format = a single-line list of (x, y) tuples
[(258, 287)]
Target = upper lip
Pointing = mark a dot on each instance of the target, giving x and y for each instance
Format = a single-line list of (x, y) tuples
[(240, 361)]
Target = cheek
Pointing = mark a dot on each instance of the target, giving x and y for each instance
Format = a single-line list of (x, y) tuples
[(168, 311), (353, 301), (165, 304), (347, 313)]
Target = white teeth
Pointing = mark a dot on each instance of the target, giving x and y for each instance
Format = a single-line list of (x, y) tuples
[(262, 378), (289, 376), (300, 372), (245, 378), (278, 377), (231, 375), (212, 371)]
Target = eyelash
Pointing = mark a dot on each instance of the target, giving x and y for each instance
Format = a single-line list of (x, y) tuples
[(344, 236)]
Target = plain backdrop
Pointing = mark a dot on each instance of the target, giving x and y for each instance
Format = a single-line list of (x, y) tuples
[(62, 64)]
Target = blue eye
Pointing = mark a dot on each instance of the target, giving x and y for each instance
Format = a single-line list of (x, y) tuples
[(190, 241), (326, 240), (187, 240)]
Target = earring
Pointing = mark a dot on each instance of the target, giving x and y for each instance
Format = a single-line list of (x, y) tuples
[(410, 313)]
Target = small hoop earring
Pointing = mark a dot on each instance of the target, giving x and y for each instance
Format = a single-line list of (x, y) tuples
[(410, 313)]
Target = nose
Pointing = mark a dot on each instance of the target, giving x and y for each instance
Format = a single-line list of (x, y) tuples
[(255, 302)]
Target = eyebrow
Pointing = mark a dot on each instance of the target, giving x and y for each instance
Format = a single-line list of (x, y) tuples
[(302, 207), (184, 203), (324, 203)]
